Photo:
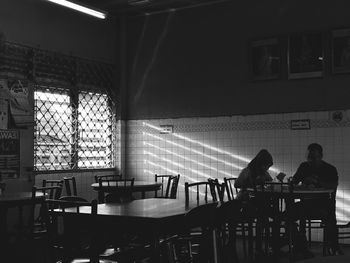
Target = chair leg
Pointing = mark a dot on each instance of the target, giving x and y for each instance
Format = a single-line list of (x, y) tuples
[(309, 232), (243, 228)]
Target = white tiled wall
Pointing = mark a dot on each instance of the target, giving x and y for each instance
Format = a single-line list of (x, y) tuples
[(216, 147)]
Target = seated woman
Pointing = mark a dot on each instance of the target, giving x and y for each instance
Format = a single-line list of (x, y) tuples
[(255, 173)]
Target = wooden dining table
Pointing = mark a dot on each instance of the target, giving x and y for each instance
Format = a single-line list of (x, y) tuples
[(152, 217), (139, 186)]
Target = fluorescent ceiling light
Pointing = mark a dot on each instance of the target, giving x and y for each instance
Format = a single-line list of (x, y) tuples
[(80, 8)]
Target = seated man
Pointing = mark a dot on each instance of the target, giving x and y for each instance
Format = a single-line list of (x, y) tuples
[(316, 173)]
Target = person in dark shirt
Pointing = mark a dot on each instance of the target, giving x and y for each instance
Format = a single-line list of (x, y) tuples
[(316, 173)]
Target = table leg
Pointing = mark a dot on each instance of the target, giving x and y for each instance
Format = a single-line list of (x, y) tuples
[(101, 197)]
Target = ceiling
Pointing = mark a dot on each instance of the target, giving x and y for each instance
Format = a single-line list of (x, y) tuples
[(134, 7)]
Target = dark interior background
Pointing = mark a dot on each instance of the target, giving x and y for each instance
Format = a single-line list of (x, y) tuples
[(202, 64)]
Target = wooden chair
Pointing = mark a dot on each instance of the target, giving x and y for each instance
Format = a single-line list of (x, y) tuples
[(77, 233), (202, 218), (174, 183), (108, 177), (231, 191), (46, 183), (202, 193), (50, 192), (169, 184), (71, 186), (118, 191)]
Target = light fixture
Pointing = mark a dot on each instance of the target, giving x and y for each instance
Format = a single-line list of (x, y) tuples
[(80, 8)]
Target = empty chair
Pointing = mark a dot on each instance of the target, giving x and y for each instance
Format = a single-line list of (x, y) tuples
[(201, 191), (81, 241), (231, 191), (46, 183), (71, 186), (118, 191), (169, 184), (108, 177), (201, 218), (50, 192)]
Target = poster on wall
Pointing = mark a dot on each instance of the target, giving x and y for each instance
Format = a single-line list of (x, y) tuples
[(305, 55), (341, 50), (9, 154), (3, 114), (19, 103), (266, 59)]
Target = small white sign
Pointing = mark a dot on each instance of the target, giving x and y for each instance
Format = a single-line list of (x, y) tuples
[(166, 129), (300, 125)]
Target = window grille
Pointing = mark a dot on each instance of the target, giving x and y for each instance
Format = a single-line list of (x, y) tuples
[(69, 136), (53, 133), (95, 131)]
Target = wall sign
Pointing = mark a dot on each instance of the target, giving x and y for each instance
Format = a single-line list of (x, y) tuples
[(166, 129), (300, 124), (9, 154)]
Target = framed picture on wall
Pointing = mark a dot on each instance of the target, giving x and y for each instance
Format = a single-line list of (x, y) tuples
[(266, 59), (305, 55), (340, 50)]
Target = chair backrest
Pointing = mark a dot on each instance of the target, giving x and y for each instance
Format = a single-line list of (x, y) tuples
[(172, 187), (49, 183), (201, 190), (231, 191), (119, 191), (71, 186), (108, 177), (169, 184), (74, 234)]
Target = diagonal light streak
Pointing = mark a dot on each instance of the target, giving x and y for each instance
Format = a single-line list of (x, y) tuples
[(207, 146), (177, 164), (194, 151), (189, 159)]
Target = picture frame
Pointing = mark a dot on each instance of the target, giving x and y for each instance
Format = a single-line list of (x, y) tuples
[(305, 55), (266, 58), (340, 50)]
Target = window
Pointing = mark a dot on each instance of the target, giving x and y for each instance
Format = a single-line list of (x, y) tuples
[(95, 131), (69, 136)]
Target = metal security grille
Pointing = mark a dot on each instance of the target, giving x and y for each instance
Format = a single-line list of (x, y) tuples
[(72, 133), (53, 133), (95, 131)]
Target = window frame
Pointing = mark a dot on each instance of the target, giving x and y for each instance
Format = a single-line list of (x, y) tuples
[(73, 94)]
